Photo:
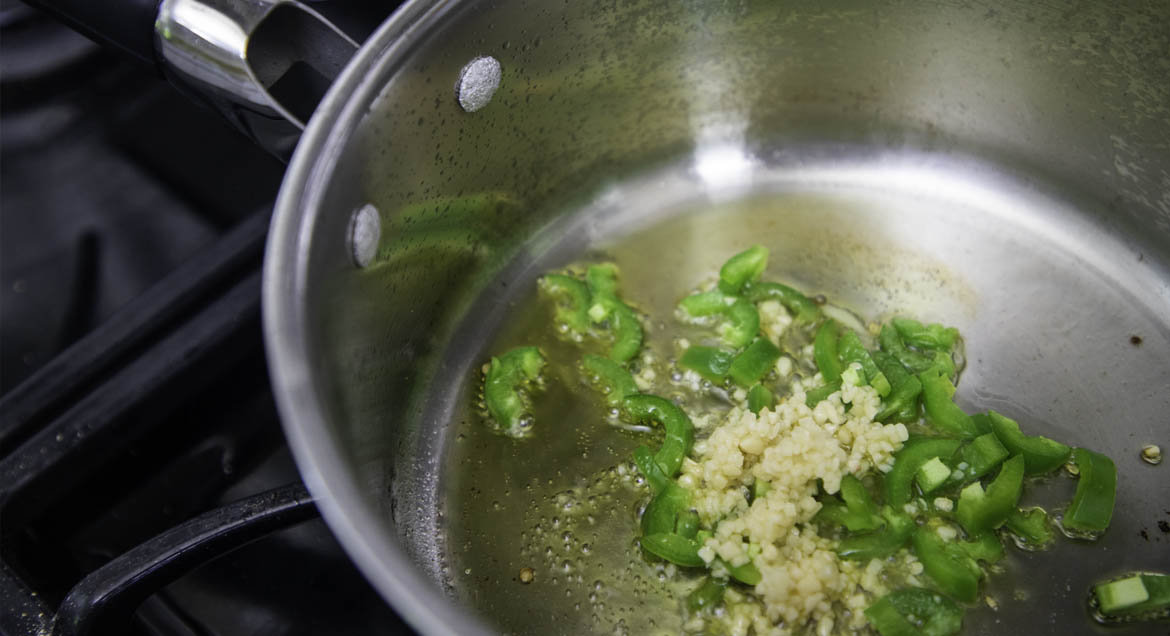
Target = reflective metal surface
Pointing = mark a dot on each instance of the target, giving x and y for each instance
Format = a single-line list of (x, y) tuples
[(1003, 166), (236, 53)]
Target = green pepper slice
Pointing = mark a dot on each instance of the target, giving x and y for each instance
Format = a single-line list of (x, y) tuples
[(1031, 525), (852, 350), (1139, 596), (505, 377), (662, 513), (754, 362), (888, 621), (760, 398), (711, 363), (816, 395), (743, 268), (706, 303), (881, 543), (907, 461), (933, 336), (901, 405), (857, 498), (1041, 455), (986, 547), (748, 573), (708, 594), (936, 614), (979, 511), (601, 279), (803, 309), (952, 576), (941, 410), (627, 329), (836, 513), (644, 459), (627, 333), (982, 455), (741, 324), (687, 524), (1092, 506), (674, 548), (615, 381), (680, 433), (825, 351), (891, 343)]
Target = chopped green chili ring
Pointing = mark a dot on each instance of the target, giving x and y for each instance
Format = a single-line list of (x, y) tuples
[(572, 300), (937, 615), (674, 548), (754, 362), (933, 336), (602, 280), (662, 513), (711, 363), (708, 594), (748, 573), (815, 396), (502, 383), (1145, 595), (615, 381), (680, 433), (951, 575), (1031, 525), (914, 454), (687, 524), (888, 621), (881, 543), (605, 305), (901, 404), (825, 351), (803, 309), (1041, 455), (741, 324), (941, 410), (852, 350), (706, 303), (979, 511), (743, 268), (891, 343), (982, 455), (760, 398), (644, 459), (1092, 505), (627, 330)]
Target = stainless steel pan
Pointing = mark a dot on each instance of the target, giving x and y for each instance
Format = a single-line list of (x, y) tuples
[(1003, 166)]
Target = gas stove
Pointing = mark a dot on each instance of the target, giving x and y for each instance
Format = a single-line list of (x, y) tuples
[(145, 484)]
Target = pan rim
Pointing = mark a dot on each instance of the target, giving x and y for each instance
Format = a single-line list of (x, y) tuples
[(317, 453)]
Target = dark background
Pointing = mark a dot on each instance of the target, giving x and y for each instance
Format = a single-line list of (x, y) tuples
[(112, 184)]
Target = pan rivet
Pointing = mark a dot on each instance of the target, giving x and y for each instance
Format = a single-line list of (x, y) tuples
[(365, 229), (478, 81)]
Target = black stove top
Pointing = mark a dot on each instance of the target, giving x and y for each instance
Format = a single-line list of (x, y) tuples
[(145, 485)]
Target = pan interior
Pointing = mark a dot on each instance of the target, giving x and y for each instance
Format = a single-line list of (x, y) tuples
[(1048, 304)]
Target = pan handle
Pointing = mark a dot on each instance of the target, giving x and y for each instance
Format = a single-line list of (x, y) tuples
[(264, 64)]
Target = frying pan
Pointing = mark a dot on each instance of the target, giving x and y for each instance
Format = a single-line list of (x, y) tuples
[(1002, 166)]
